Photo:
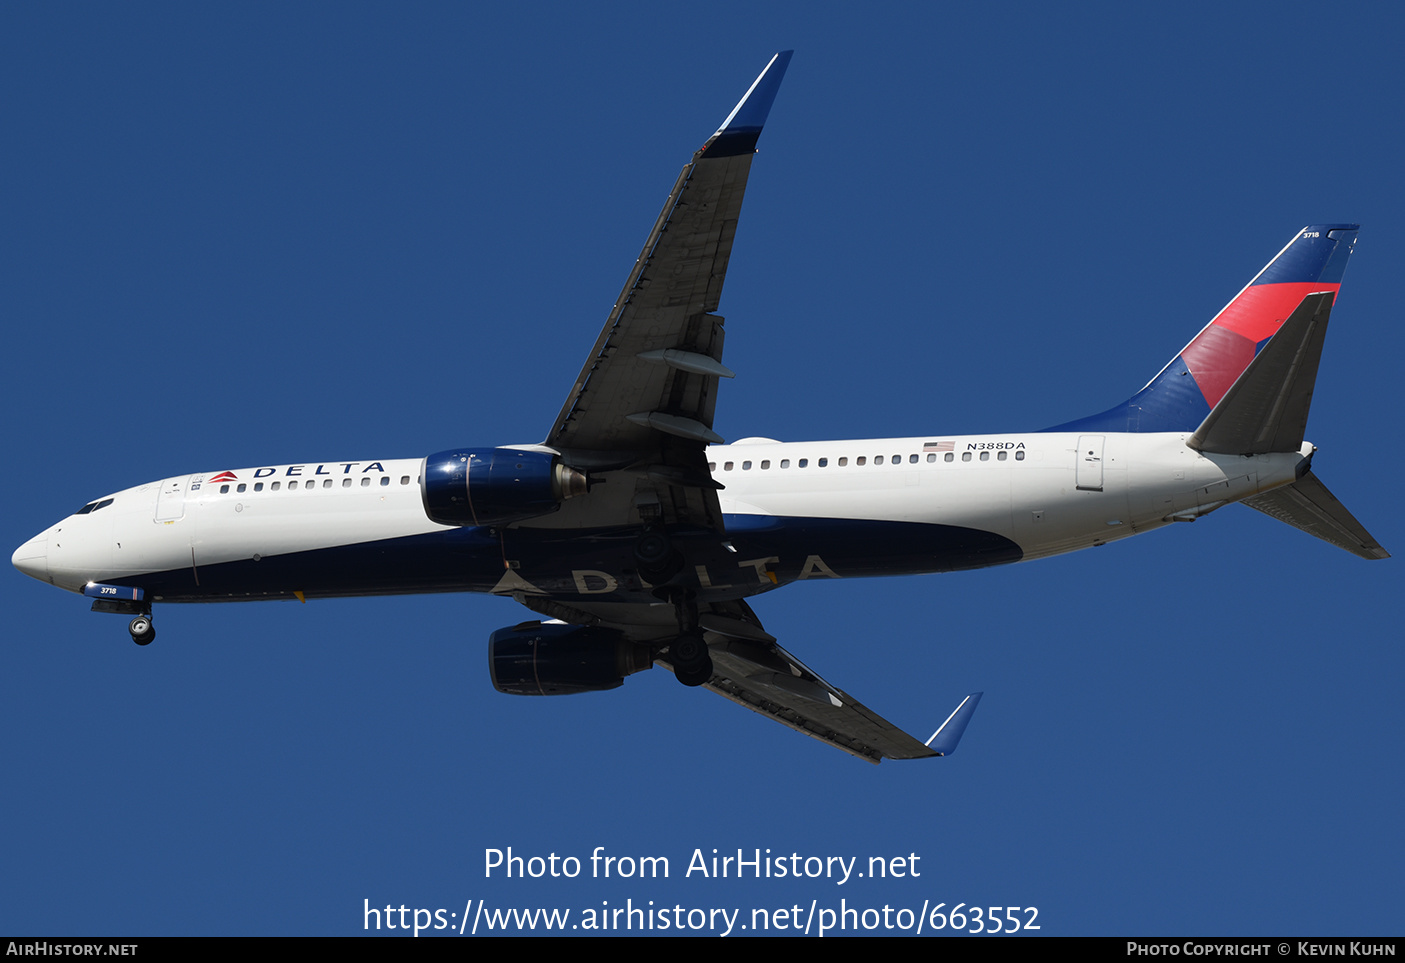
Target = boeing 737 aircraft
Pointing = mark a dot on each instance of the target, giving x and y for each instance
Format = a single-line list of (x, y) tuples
[(638, 533)]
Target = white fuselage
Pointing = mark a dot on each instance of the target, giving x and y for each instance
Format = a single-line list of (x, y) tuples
[(1045, 493), (1048, 492)]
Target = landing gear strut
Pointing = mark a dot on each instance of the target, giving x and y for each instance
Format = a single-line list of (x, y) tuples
[(692, 663), (142, 630)]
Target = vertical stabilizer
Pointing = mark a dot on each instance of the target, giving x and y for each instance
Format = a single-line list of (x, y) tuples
[(1184, 392)]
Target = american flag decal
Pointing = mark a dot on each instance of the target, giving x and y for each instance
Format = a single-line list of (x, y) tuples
[(939, 446)]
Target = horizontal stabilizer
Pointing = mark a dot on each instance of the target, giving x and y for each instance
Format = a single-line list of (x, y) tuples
[(1308, 505), (1266, 408)]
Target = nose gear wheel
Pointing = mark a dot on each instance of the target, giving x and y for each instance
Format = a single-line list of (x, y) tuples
[(142, 630)]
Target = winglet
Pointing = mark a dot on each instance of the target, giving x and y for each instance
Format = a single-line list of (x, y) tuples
[(944, 740), (740, 131)]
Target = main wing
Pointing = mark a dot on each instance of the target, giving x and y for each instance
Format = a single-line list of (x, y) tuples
[(646, 395), (638, 420)]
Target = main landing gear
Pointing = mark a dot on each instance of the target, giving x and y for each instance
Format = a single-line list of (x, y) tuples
[(142, 630), (692, 663), (658, 561)]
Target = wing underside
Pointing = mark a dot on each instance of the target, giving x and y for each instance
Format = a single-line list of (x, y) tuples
[(645, 398), (655, 366), (769, 680)]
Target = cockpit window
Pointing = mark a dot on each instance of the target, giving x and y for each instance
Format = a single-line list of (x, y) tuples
[(93, 506)]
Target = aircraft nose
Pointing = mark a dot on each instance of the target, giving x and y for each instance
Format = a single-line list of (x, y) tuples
[(32, 558)]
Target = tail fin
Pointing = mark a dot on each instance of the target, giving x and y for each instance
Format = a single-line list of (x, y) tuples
[(1184, 392)]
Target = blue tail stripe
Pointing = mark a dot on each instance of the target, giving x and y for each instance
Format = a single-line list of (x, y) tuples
[(1178, 402), (1314, 255)]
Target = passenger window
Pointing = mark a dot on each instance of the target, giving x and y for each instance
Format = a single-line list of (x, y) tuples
[(897, 459), (912, 459), (985, 456), (823, 462), (727, 466), (965, 456), (766, 464), (365, 482), (275, 486), (948, 457), (346, 483), (843, 462), (931, 457), (242, 487), (258, 486), (385, 480), (1001, 456), (878, 459), (802, 463), (785, 462), (860, 460), (327, 483), (224, 489), (712, 466), (293, 485), (1019, 456), (404, 479), (746, 466)]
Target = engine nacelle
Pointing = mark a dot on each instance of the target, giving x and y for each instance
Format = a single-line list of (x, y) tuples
[(494, 486), (551, 658)]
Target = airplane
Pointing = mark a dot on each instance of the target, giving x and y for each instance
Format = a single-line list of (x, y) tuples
[(637, 534)]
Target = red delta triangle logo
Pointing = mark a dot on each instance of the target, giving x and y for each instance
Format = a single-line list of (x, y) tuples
[(225, 476)]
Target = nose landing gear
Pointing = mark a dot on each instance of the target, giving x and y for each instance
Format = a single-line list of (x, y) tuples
[(140, 627), (142, 630)]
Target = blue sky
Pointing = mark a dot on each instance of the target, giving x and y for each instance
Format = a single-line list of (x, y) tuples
[(258, 235)]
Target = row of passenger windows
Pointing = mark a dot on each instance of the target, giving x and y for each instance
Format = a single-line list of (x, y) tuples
[(310, 484), (877, 460)]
